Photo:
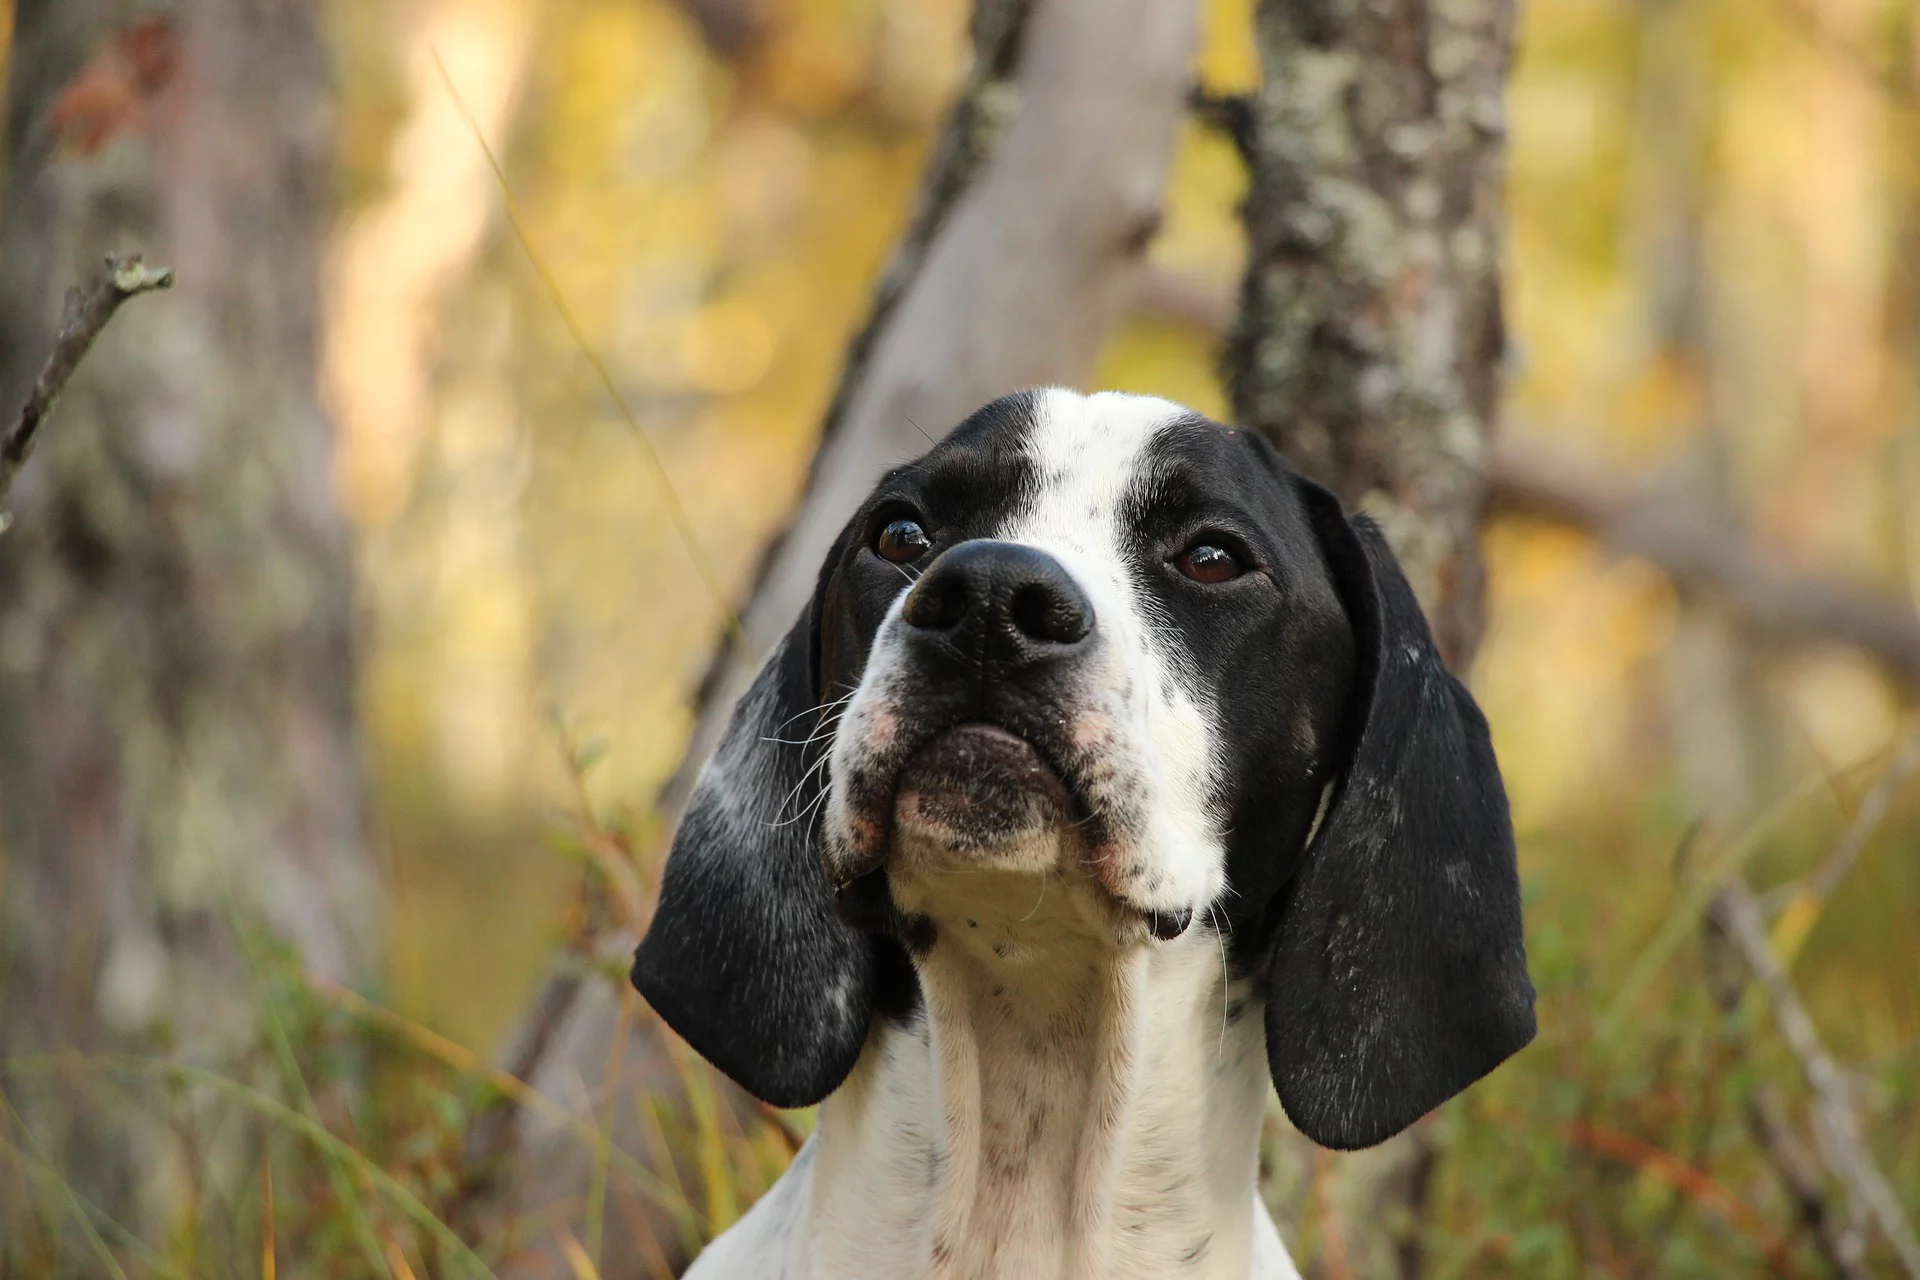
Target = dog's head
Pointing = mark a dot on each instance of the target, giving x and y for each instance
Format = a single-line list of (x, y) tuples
[(1104, 638)]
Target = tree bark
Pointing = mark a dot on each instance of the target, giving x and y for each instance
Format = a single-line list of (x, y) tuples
[(1027, 273), (1370, 341), (179, 763)]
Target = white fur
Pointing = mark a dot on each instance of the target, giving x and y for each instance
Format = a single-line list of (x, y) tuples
[(1153, 729), (1150, 1107), (1073, 1101)]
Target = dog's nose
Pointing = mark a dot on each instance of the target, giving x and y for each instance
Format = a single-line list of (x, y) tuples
[(1017, 601)]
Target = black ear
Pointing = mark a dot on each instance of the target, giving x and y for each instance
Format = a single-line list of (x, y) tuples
[(1400, 972), (746, 957)]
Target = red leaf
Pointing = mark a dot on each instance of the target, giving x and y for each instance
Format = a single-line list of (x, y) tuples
[(114, 91)]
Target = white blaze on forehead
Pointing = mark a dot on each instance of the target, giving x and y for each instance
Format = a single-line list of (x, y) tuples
[(1087, 453), (1090, 454)]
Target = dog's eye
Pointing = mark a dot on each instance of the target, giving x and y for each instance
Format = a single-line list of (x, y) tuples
[(1209, 563), (903, 540)]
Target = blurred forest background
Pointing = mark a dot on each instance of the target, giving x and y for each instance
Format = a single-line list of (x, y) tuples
[(1699, 656)]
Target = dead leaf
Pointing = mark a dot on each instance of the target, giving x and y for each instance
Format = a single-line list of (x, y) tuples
[(114, 91)]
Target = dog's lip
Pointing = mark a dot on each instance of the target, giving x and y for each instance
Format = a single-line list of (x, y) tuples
[(972, 738), (976, 743)]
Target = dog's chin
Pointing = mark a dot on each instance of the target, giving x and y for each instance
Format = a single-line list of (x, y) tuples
[(977, 797)]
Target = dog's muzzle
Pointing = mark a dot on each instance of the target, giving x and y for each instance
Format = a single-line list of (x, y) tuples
[(985, 668), (991, 636)]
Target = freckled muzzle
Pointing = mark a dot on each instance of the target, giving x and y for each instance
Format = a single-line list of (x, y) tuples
[(963, 727), (985, 727)]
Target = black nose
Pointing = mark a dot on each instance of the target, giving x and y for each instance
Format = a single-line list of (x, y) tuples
[(1018, 602)]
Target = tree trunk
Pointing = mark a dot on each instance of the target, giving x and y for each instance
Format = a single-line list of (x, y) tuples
[(1369, 343), (179, 766), (1022, 279)]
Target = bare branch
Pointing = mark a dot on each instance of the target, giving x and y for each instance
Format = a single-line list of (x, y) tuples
[(86, 315), (1735, 912), (1680, 534), (1801, 1173), (1799, 1169)]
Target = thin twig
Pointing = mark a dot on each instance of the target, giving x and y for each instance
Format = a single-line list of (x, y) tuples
[(1866, 821), (670, 496), (1736, 912), (1837, 1235), (1816, 888), (85, 316), (1683, 1176)]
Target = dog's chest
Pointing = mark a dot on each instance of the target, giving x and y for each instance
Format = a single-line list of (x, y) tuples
[(1091, 1135), (782, 1238)]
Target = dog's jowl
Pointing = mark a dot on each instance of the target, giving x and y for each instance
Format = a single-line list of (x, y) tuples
[(1110, 774)]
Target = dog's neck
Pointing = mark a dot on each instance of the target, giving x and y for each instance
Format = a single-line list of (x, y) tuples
[(1059, 1106)]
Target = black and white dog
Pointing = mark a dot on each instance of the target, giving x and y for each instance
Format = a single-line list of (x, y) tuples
[(1111, 770)]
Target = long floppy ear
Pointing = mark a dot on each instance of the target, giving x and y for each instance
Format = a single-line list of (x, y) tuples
[(746, 957), (1400, 972)]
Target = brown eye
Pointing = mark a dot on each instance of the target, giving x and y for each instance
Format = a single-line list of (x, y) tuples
[(1209, 563), (903, 540)]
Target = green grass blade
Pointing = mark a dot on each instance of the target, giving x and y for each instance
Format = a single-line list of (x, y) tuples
[(1683, 920), (76, 1204), (314, 1132)]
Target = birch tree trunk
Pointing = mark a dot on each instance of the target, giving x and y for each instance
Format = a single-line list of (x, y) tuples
[(1027, 268), (178, 753), (1370, 342)]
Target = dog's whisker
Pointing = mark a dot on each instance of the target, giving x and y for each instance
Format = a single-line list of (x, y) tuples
[(814, 806), (821, 709), (806, 775), (1220, 936), (1037, 901), (807, 808)]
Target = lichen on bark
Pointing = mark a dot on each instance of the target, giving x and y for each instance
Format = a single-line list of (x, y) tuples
[(1369, 340)]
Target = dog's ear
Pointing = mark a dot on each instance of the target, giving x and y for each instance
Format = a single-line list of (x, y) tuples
[(1400, 972), (746, 957)]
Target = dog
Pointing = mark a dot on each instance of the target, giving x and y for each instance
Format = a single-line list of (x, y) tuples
[(1111, 773)]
